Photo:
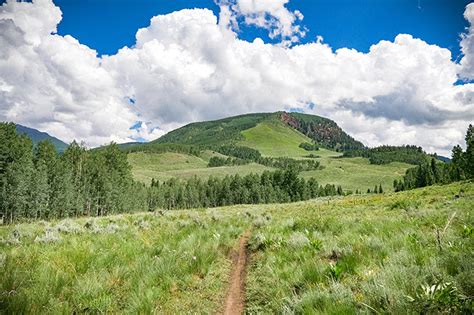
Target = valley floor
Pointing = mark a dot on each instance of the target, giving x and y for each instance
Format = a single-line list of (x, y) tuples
[(406, 252)]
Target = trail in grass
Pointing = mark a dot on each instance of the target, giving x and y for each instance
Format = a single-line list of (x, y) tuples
[(235, 300)]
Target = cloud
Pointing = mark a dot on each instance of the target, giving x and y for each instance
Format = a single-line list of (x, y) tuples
[(467, 45), (187, 66), (271, 15), (54, 83)]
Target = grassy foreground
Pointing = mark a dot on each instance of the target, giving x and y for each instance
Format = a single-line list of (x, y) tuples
[(407, 252), (410, 252)]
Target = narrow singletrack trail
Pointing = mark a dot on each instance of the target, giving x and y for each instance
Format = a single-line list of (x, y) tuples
[(235, 300)]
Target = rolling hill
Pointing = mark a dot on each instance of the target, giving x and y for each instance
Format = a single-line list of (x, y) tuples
[(185, 152), (230, 130), (37, 136)]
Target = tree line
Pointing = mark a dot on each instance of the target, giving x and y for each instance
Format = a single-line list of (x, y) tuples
[(269, 187), (432, 171), (386, 154), (38, 183), (239, 155)]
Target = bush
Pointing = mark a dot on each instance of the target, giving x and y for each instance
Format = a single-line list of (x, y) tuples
[(309, 146)]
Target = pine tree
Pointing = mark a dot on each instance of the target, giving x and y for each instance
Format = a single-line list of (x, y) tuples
[(469, 154)]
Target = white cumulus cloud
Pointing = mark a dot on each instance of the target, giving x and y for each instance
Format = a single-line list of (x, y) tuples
[(467, 45), (268, 14), (187, 66)]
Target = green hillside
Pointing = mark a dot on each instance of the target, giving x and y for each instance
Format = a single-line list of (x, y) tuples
[(185, 152), (164, 166), (274, 138), (212, 133), (357, 173), (232, 129)]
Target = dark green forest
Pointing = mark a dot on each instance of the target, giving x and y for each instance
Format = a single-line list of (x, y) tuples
[(323, 131), (386, 154), (37, 182), (431, 171), (269, 187)]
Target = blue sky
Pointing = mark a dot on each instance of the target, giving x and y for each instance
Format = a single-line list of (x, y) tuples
[(412, 87), (107, 25)]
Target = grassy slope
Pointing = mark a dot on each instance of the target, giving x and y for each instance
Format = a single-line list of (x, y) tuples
[(274, 138), (146, 166), (385, 250), (138, 264), (357, 173), (215, 132), (164, 166)]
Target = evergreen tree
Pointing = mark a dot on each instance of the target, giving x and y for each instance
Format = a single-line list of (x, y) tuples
[(469, 154)]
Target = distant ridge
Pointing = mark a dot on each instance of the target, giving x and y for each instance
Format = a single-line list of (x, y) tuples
[(37, 136)]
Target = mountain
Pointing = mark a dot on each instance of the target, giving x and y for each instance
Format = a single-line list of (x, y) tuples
[(230, 146), (37, 136), (322, 131)]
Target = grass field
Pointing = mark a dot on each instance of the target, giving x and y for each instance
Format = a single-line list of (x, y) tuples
[(164, 166), (274, 138), (350, 173), (357, 173), (408, 252)]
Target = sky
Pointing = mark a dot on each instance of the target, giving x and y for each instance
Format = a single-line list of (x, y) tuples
[(388, 72)]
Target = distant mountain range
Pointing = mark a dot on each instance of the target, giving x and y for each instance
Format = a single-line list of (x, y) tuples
[(37, 136)]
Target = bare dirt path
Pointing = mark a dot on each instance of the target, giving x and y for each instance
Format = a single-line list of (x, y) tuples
[(235, 300)]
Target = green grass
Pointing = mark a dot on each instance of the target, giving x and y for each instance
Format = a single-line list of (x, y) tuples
[(357, 173), (176, 263), (274, 138), (350, 173), (164, 166), (357, 254), (146, 166), (366, 254), (206, 172)]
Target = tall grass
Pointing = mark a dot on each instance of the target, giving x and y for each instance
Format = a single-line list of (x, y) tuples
[(409, 252), (379, 254), (130, 263)]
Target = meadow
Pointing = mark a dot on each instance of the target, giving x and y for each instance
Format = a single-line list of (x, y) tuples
[(406, 252), (164, 166)]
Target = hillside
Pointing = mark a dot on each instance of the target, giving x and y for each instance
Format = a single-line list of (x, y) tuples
[(408, 252), (37, 136), (185, 152), (323, 131), (213, 133)]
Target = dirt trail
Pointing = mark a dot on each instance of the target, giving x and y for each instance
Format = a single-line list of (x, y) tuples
[(235, 300)]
